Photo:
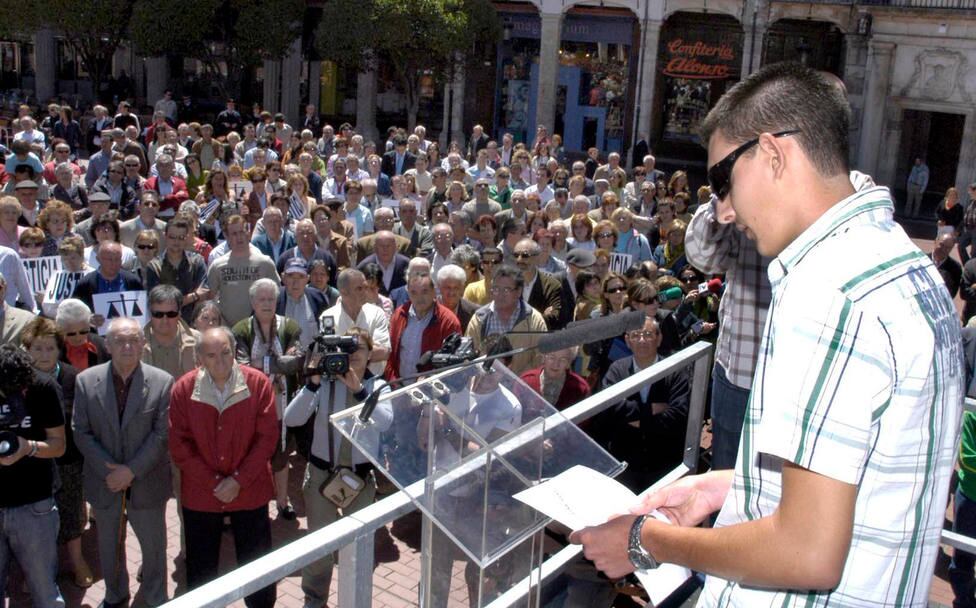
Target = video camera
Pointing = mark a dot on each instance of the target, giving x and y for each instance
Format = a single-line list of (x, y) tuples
[(456, 349), (334, 351), (9, 440)]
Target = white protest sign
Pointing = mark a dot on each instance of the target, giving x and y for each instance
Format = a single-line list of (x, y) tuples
[(120, 304), (619, 262), (394, 204), (39, 271), (241, 188), (60, 287)]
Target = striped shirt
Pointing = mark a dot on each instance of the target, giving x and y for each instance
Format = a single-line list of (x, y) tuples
[(859, 378)]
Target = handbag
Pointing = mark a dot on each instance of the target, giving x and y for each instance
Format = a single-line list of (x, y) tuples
[(343, 485)]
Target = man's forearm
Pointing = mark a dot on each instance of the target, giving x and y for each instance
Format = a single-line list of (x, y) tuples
[(756, 553)]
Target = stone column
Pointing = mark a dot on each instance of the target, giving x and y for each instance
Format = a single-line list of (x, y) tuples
[(644, 113), (314, 85), (457, 114), (157, 78), (754, 29), (545, 109), (856, 55), (272, 85), (875, 98), (45, 65), (366, 107), (291, 84)]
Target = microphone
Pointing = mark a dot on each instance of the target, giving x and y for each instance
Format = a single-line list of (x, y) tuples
[(592, 330)]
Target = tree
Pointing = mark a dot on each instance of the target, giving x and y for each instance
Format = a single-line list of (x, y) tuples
[(93, 29), (417, 39), (229, 37)]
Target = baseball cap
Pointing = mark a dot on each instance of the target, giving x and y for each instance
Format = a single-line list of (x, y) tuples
[(296, 265)]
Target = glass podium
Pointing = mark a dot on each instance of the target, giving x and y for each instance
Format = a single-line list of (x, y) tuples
[(461, 444)]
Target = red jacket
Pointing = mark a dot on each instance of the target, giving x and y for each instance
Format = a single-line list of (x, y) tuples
[(442, 324), (575, 387), (174, 198), (208, 445)]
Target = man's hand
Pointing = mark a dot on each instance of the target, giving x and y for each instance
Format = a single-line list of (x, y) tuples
[(688, 501), (352, 380), (22, 451), (227, 490), (120, 477), (606, 545)]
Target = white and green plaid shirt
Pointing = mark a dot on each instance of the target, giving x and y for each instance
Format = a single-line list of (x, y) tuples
[(859, 378)]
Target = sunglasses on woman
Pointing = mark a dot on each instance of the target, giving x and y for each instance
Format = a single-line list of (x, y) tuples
[(619, 289), (720, 174)]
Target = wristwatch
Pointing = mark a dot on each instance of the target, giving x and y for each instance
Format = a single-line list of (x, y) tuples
[(639, 556)]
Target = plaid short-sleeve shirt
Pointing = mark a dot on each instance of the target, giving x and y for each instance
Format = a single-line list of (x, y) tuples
[(859, 378)]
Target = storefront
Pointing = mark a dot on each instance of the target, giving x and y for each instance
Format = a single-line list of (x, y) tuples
[(699, 58), (594, 95)]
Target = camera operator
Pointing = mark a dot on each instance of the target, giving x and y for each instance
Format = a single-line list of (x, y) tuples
[(31, 416), (331, 451)]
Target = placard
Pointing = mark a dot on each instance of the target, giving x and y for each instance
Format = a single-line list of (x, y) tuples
[(394, 204), (241, 188), (120, 304), (620, 262), (40, 270), (60, 287)]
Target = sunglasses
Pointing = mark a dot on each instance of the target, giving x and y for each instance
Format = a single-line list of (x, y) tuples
[(604, 235), (490, 262), (32, 245), (72, 334), (720, 174), (523, 255), (169, 314), (132, 166), (620, 289), (145, 247)]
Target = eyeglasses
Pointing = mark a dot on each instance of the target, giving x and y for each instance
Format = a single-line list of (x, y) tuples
[(490, 262), (644, 302), (145, 247), (176, 237), (604, 235), (720, 174), (642, 335), (169, 314), (499, 289), (72, 334), (619, 289), (524, 255), (116, 171), (130, 166), (32, 244)]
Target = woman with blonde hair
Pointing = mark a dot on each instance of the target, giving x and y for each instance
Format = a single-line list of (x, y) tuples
[(950, 213), (298, 197), (57, 221)]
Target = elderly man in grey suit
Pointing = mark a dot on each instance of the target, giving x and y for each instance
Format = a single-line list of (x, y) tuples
[(121, 414)]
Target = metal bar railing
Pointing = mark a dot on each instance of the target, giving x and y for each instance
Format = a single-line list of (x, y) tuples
[(352, 534)]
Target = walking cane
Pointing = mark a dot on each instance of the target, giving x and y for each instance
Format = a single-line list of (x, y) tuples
[(120, 545)]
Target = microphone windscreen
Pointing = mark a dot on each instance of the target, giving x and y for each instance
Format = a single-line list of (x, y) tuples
[(592, 330), (715, 286)]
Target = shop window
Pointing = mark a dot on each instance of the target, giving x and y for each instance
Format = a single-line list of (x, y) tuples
[(603, 72), (515, 87)]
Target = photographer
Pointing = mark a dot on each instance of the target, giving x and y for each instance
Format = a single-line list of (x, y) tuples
[(30, 414), (331, 451)]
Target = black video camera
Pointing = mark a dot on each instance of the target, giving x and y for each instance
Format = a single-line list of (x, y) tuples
[(9, 440), (334, 351), (456, 349)]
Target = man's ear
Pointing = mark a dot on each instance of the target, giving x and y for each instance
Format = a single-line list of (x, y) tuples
[(773, 149)]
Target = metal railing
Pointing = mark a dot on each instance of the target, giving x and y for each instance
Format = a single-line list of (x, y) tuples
[(352, 535)]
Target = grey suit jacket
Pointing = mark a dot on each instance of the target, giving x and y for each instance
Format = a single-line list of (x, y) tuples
[(139, 442), (14, 322)]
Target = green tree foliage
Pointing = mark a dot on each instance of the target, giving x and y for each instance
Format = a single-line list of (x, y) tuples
[(228, 37), (417, 38)]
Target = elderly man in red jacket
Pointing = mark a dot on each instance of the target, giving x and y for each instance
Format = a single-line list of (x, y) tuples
[(420, 325), (171, 188), (556, 381), (222, 432)]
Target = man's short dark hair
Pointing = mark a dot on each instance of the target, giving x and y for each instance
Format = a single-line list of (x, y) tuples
[(509, 226), (511, 272), (781, 97), (164, 293), (16, 369), (399, 140)]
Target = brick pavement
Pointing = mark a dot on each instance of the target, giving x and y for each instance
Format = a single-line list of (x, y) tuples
[(395, 579)]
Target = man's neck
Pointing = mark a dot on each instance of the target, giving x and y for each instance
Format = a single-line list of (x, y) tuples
[(505, 315), (352, 312), (220, 383), (175, 258), (406, 227), (295, 297), (644, 363), (530, 275), (166, 341), (123, 371), (266, 325), (148, 220), (422, 313), (307, 251), (241, 253), (111, 278), (275, 237)]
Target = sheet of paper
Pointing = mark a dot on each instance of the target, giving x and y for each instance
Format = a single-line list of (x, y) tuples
[(580, 497)]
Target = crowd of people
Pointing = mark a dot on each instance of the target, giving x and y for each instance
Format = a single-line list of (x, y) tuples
[(245, 234), (248, 236)]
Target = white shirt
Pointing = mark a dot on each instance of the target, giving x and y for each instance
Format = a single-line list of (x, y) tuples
[(371, 318), (18, 287), (860, 378), (545, 195)]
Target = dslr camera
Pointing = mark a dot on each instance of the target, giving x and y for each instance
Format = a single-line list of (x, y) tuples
[(334, 351)]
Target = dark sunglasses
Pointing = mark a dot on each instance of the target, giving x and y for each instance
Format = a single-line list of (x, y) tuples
[(720, 174), (604, 235), (616, 289), (145, 247), (169, 314), (490, 262), (72, 334), (523, 255)]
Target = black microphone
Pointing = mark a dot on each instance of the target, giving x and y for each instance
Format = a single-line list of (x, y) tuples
[(592, 330)]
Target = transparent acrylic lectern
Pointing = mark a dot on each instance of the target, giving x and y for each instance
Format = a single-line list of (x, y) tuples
[(461, 443)]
